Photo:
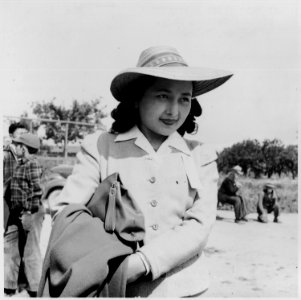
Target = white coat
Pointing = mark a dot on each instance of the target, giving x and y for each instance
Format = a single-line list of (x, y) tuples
[(176, 189)]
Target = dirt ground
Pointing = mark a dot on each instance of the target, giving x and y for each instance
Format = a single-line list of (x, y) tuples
[(253, 259), (248, 260)]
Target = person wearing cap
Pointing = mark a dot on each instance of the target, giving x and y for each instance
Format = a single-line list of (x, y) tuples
[(228, 193), (26, 217), (9, 163), (173, 179), (9, 151), (268, 203)]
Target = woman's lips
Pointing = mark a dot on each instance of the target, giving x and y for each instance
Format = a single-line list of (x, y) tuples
[(169, 121)]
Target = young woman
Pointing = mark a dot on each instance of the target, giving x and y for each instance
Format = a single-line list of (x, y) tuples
[(173, 180)]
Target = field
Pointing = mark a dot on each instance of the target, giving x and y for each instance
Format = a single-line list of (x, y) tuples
[(287, 188), (287, 191)]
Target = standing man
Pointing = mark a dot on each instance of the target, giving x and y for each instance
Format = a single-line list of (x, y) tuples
[(9, 163), (268, 203), (26, 217), (228, 193)]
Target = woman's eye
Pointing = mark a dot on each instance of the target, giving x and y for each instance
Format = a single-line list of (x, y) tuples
[(162, 96), (187, 100)]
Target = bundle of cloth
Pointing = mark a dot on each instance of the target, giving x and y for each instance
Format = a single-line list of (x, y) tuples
[(88, 245)]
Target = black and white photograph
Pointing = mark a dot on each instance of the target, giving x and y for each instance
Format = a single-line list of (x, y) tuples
[(150, 148)]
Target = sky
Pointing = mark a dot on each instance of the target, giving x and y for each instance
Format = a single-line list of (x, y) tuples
[(72, 49)]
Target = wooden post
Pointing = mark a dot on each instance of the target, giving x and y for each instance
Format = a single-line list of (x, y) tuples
[(66, 140), (30, 126)]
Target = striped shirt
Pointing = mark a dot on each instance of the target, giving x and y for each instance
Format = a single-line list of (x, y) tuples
[(26, 190)]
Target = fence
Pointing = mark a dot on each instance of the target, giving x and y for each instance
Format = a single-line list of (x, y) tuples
[(30, 123)]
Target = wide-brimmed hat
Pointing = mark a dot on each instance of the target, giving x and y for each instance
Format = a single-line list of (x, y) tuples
[(269, 185), (28, 139), (166, 62), (237, 170)]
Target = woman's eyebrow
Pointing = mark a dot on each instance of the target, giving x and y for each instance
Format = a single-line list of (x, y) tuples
[(187, 94), (163, 90), (169, 91)]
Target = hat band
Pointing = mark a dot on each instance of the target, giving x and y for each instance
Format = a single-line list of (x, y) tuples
[(163, 59)]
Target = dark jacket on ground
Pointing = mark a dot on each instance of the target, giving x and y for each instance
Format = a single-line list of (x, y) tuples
[(88, 246)]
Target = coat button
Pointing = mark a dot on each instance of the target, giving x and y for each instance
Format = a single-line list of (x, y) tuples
[(152, 180), (154, 203), (155, 226)]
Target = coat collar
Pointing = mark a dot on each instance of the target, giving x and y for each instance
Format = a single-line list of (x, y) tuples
[(175, 141)]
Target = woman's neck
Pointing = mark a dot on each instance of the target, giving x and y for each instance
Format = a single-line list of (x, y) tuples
[(154, 139)]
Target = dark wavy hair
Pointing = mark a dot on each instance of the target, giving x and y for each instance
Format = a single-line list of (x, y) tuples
[(16, 125), (126, 114)]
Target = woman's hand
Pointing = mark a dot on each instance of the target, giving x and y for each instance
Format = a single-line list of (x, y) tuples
[(136, 268)]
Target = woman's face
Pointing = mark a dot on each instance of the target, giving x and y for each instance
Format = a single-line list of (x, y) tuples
[(164, 107)]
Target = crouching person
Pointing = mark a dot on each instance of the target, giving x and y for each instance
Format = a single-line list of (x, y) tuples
[(268, 203)]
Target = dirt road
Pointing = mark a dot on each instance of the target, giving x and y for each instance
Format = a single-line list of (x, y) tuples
[(254, 259)]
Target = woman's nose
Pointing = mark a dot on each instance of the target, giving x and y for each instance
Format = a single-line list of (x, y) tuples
[(172, 108)]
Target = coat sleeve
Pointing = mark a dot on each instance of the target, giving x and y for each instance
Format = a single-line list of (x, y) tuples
[(188, 239), (229, 187), (85, 177)]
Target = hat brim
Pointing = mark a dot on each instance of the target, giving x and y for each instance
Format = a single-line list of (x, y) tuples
[(204, 79), (237, 171), (17, 140), (269, 186), (33, 145)]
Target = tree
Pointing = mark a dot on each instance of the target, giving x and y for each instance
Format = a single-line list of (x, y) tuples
[(289, 160), (250, 157), (272, 150), (86, 112), (247, 154), (226, 159), (269, 158)]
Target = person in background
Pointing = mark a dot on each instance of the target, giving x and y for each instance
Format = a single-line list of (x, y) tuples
[(229, 193), (173, 179), (9, 151), (268, 203), (10, 161), (22, 234)]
